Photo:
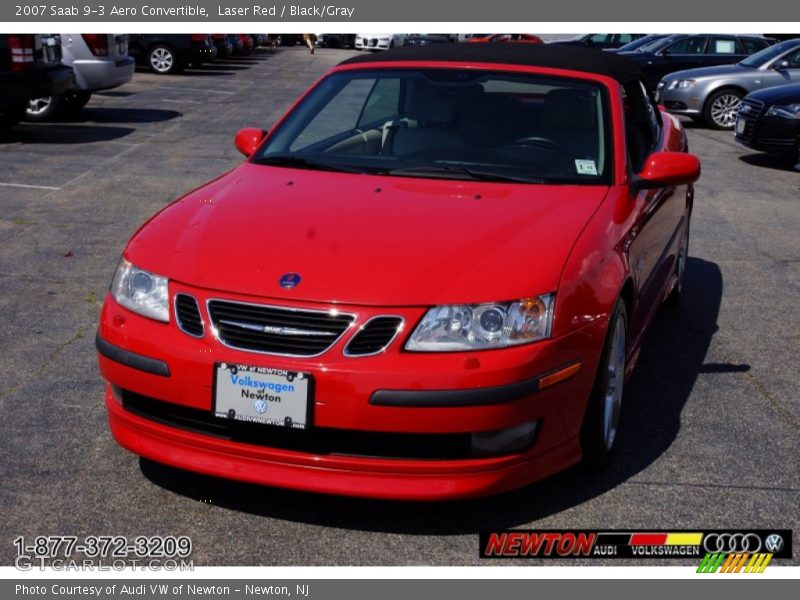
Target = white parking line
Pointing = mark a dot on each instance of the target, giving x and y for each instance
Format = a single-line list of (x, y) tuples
[(34, 187), (180, 101), (200, 91)]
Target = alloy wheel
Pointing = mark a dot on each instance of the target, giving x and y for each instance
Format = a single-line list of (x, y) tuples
[(723, 110), (161, 60), (615, 381), (39, 106)]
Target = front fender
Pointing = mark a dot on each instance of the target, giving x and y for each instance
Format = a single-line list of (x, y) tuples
[(597, 267)]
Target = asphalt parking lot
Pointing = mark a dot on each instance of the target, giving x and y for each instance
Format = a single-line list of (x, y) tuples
[(710, 421)]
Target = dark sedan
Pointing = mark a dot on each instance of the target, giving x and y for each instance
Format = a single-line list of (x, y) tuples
[(603, 41), (769, 121), (171, 52), (679, 52)]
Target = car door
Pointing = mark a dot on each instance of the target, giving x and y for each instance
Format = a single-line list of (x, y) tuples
[(653, 242)]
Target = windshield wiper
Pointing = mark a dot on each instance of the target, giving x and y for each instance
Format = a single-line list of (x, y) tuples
[(452, 172), (300, 162)]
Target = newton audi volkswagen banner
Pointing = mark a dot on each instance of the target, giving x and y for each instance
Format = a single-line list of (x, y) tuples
[(684, 544), (619, 11)]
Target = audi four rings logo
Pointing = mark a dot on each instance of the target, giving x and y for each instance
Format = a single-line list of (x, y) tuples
[(732, 542)]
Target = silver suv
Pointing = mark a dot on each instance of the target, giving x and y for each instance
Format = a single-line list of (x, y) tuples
[(713, 94), (100, 62)]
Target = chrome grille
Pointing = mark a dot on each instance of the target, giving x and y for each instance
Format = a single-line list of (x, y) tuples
[(749, 112), (375, 336), (187, 314), (277, 330)]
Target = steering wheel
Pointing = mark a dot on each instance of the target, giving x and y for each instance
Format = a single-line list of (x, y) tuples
[(534, 140)]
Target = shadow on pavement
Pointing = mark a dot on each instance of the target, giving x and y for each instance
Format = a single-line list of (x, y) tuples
[(770, 161), (99, 114), (62, 133), (670, 362)]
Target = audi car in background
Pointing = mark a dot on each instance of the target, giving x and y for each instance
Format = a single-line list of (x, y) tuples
[(768, 120), (100, 62), (713, 94), (467, 243), (30, 67), (166, 53), (379, 41), (680, 52)]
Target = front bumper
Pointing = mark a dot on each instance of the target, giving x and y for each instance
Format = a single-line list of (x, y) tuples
[(362, 395), (373, 43), (681, 102), (773, 135)]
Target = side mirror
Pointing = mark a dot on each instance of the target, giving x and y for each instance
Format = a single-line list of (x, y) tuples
[(248, 140), (667, 169), (781, 65)]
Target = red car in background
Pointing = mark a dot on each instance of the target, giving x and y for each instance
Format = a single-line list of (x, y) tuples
[(429, 280), (521, 38)]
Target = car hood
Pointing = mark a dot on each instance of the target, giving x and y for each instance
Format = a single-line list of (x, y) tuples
[(778, 94), (366, 239), (711, 72)]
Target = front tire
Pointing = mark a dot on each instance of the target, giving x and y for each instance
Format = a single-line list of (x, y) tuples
[(676, 295), (162, 60), (599, 432), (721, 107)]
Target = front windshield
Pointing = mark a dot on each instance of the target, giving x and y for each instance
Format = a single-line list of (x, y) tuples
[(658, 44), (640, 43), (767, 54), (449, 123)]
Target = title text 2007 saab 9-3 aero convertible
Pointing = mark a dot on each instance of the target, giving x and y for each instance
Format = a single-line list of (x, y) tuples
[(430, 280)]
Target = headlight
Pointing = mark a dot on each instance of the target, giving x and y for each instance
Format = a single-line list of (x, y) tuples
[(142, 292), (682, 84), (482, 326), (785, 111)]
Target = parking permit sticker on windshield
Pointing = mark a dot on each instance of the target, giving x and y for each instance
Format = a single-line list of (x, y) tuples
[(585, 167)]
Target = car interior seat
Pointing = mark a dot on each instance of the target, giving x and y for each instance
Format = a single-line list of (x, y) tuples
[(429, 123)]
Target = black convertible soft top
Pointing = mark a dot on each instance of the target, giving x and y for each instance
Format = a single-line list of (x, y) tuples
[(544, 55)]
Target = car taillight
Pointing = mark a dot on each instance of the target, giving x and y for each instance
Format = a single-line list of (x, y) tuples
[(22, 51), (198, 37), (97, 42)]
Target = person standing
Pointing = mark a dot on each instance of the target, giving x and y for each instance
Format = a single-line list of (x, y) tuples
[(309, 39)]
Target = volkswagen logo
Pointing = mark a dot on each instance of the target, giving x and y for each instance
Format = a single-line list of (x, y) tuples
[(774, 543), (744, 108), (260, 406), (289, 280), (732, 542)]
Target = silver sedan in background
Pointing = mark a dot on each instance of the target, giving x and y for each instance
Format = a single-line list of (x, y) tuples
[(713, 94)]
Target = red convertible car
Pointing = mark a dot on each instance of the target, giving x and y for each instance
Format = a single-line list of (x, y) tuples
[(429, 280)]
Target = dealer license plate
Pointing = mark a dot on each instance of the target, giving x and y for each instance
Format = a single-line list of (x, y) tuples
[(740, 123), (262, 395)]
